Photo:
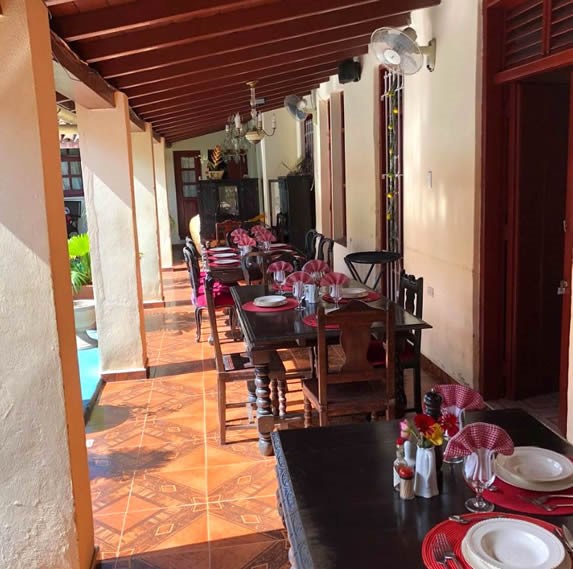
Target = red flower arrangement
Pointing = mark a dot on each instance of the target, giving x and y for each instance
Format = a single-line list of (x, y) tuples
[(425, 430), (449, 423)]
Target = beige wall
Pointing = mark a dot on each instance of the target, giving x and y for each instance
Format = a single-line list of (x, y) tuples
[(441, 231), (45, 507)]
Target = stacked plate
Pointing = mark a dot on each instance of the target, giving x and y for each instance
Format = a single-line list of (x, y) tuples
[(270, 301), (224, 255), (505, 543), (354, 292), (534, 468), (220, 249)]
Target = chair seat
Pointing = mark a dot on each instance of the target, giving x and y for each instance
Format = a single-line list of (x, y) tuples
[(240, 362), (363, 395), (377, 353), (223, 299)]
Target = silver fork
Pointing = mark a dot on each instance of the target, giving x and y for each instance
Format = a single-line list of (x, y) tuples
[(543, 505), (440, 548), (443, 545), (542, 499)]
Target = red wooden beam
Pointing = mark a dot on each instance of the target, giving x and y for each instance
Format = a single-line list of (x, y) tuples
[(132, 15), (237, 91), (245, 33), (201, 67), (210, 55), (207, 89), (213, 79)]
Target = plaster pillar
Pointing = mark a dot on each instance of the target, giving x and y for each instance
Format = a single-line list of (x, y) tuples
[(162, 204), (45, 507), (146, 215), (105, 146)]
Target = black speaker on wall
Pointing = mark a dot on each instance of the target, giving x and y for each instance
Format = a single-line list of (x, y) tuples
[(349, 71)]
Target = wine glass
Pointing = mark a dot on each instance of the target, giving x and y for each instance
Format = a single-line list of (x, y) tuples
[(479, 474), (336, 294), (280, 277), (298, 293), (266, 246)]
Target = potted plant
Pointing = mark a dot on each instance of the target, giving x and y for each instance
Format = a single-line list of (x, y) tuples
[(216, 165), (80, 265)]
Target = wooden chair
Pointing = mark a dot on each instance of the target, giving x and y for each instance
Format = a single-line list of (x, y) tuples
[(310, 243), (237, 367), (254, 266), (358, 386), (224, 227), (222, 296), (411, 298), (325, 250)]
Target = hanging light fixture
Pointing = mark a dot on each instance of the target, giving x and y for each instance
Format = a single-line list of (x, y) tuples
[(254, 128), (234, 145)]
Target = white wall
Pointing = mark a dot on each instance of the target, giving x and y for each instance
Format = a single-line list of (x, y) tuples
[(440, 133)]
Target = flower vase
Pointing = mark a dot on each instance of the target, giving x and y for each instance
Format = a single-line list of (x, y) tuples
[(426, 479)]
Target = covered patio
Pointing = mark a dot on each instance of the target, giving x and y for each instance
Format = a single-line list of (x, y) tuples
[(164, 125)]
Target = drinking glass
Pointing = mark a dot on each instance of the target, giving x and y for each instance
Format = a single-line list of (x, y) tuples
[(336, 294), (280, 277), (266, 246), (479, 474), (298, 293)]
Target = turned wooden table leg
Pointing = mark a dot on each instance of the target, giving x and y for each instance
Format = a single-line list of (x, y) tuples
[(265, 419), (251, 400), (281, 385), (275, 396)]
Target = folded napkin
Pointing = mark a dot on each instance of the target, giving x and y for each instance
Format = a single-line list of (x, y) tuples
[(477, 436), (266, 235), (334, 279), (256, 229), (238, 231), (316, 266), (299, 277), (280, 266), (243, 240), (456, 398)]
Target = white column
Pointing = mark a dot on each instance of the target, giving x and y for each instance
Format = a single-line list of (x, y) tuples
[(162, 204), (45, 509), (146, 215), (105, 145)]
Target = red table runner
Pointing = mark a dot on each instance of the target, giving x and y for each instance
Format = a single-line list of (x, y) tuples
[(455, 532)]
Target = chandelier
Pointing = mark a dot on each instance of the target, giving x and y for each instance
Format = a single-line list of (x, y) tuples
[(234, 144), (254, 131)]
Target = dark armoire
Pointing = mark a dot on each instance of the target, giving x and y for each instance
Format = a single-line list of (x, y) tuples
[(297, 202)]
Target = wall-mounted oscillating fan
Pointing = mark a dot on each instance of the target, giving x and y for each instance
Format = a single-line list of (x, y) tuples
[(398, 50), (298, 107)]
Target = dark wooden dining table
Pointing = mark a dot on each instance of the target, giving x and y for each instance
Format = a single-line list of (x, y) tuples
[(267, 331), (337, 498)]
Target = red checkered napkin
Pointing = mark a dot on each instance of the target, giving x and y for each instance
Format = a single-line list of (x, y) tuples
[(316, 266), (243, 240), (299, 277), (456, 398), (479, 436), (280, 266), (334, 279)]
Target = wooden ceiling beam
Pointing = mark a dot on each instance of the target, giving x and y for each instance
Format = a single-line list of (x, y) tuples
[(182, 37), (208, 89), (213, 55), (211, 80), (131, 16), (201, 68), (239, 92)]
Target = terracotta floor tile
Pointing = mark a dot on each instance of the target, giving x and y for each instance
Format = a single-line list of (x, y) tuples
[(160, 529), (240, 481), (172, 457), (110, 495)]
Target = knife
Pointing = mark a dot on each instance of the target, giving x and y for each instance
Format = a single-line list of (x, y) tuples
[(567, 535)]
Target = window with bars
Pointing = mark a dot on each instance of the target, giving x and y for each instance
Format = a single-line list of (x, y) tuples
[(71, 167), (338, 168)]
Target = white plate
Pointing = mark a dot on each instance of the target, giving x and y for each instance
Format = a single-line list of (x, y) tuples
[(226, 261), (536, 464), (224, 255), (477, 563), (274, 245), (518, 482), (354, 292), (221, 249), (270, 301), (514, 544)]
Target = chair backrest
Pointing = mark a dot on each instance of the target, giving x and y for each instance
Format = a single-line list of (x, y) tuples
[(192, 263), (209, 282), (310, 243), (355, 321), (224, 227), (254, 266), (325, 250), (411, 293), (282, 227), (296, 260), (190, 244)]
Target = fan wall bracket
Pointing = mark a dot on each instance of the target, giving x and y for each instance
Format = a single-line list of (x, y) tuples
[(429, 51)]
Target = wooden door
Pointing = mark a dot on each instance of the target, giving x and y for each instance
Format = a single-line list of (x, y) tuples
[(187, 172), (538, 246)]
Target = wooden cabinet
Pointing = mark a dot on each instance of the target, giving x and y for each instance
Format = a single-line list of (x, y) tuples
[(220, 200), (297, 201)]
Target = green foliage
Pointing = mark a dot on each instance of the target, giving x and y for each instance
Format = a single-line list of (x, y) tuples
[(80, 261)]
